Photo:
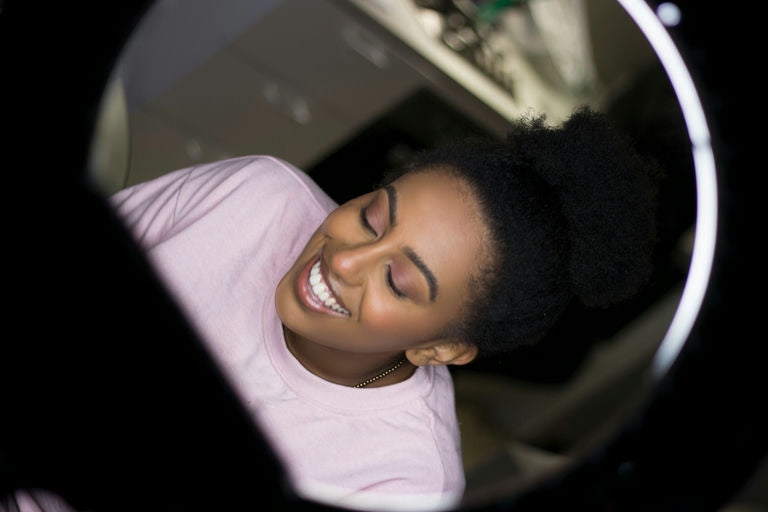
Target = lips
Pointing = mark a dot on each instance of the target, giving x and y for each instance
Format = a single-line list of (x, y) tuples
[(315, 292)]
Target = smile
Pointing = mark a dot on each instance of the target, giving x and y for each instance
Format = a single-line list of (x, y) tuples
[(315, 292)]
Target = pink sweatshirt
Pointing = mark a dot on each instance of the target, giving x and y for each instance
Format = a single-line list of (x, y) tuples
[(221, 236)]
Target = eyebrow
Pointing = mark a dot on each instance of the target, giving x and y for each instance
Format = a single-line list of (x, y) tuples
[(392, 198), (410, 253), (428, 275)]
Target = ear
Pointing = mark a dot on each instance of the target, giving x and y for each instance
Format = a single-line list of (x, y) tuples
[(442, 352)]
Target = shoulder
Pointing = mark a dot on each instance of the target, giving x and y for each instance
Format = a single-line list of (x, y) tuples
[(444, 426), (249, 192), (256, 176), (193, 191), (424, 455)]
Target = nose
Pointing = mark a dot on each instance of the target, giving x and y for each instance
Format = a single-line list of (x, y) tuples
[(351, 263)]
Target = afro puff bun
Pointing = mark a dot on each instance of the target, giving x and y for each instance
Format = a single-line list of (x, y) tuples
[(571, 212), (607, 196)]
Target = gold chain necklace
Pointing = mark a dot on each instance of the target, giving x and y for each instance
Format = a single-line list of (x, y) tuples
[(382, 374)]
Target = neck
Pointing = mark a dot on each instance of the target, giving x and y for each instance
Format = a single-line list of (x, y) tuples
[(347, 368)]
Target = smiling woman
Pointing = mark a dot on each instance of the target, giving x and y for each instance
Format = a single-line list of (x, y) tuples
[(471, 249), (223, 235)]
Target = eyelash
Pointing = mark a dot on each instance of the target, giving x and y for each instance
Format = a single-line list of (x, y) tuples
[(390, 282), (364, 221)]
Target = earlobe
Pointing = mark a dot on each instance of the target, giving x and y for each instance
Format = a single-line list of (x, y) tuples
[(466, 355), (444, 352)]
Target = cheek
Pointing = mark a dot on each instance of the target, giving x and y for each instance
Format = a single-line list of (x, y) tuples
[(394, 322), (380, 316)]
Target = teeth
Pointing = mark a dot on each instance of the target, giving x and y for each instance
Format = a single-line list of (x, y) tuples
[(321, 290)]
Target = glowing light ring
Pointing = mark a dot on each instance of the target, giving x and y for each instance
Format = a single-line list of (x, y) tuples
[(706, 184)]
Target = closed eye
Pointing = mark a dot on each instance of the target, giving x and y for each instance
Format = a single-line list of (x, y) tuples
[(391, 284), (364, 221)]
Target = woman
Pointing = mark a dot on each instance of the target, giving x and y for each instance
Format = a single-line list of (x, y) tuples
[(337, 337)]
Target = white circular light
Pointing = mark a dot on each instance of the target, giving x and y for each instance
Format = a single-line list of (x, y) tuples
[(669, 14), (706, 181)]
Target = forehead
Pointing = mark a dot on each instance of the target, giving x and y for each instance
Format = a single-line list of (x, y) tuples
[(439, 218)]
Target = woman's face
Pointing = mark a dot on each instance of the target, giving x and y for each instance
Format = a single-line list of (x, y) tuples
[(386, 271)]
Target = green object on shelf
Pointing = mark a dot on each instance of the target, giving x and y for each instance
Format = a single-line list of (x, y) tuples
[(488, 12)]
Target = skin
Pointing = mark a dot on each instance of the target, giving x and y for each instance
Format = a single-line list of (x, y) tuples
[(363, 254)]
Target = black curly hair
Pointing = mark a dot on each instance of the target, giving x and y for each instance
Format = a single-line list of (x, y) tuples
[(571, 215)]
